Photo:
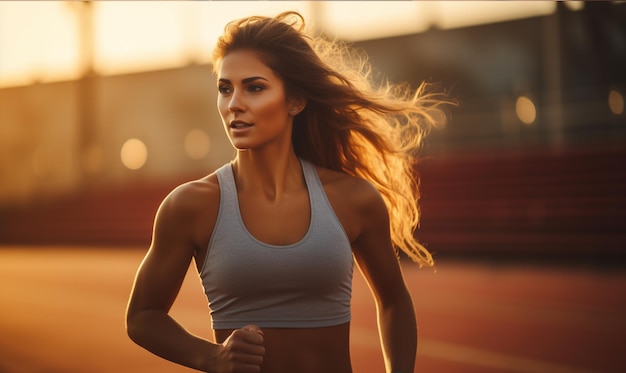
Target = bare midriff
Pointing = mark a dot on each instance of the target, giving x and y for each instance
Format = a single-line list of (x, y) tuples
[(305, 350)]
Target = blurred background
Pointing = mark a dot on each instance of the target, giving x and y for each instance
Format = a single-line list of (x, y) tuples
[(107, 106)]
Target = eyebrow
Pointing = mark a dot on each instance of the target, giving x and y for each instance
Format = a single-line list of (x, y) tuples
[(244, 81)]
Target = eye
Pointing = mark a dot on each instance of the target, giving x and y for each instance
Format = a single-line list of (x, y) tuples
[(255, 88), (224, 89)]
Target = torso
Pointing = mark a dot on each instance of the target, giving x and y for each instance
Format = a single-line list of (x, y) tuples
[(288, 350)]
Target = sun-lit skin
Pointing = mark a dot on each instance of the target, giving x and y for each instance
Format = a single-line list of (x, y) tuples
[(252, 102), (275, 208)]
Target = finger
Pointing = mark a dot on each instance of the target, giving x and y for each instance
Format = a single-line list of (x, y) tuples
[(249, 359), (254, 338), (245, 347), (250, 335), (246, 341), (253, 328)]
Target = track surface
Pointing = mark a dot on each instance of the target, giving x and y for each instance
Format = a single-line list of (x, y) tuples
[(62, 310)]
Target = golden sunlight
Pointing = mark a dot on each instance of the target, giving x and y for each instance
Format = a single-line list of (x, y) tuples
[(53, 41), (39, 42)]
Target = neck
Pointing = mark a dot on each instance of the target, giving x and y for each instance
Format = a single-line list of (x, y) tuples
[(269, 176)]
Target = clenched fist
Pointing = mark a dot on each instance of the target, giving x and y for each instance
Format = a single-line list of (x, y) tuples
[(242, 351)]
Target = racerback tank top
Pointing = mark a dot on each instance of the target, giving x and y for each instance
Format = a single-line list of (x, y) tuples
[(307, 284)]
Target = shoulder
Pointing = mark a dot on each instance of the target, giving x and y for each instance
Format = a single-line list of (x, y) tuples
[(360, 193), (193, 195), (188, 210)]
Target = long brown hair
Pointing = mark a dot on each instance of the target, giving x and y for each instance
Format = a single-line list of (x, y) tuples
[(348, 124)]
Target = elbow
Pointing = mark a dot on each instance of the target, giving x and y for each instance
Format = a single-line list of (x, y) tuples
[(133, 327), (141, 325), (131, 332)]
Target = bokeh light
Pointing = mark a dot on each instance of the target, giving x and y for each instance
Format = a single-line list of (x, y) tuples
[(197, 144), (525, 110), (134, 154), (616, 102)]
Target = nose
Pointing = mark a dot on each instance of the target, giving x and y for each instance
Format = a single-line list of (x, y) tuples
[(236, 104)]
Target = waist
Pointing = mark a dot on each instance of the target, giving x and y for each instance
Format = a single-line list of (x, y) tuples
[(304, 350)]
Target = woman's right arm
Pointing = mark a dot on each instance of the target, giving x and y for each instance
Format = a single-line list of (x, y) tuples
[(156, 286)]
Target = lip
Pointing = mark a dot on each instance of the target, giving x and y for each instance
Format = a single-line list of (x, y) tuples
[(239, 125)]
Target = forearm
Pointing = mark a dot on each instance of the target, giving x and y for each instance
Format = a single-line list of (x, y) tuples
[(398, 333), (158, 333)]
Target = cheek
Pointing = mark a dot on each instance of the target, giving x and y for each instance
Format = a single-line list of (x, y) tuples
[(272, 107), (222, 107)]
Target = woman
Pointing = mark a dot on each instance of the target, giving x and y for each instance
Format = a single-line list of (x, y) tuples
[(322, 177)]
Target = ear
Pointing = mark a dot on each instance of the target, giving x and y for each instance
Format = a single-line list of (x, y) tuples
[(296, 104)]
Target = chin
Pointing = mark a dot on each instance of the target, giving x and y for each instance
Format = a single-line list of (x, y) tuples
[(241, 147)]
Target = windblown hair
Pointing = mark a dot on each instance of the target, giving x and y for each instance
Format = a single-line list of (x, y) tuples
[(349, 124)]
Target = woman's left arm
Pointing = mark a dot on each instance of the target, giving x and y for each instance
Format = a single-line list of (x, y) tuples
[(377, 260)]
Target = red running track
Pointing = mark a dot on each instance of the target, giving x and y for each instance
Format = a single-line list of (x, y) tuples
[(62, 310)]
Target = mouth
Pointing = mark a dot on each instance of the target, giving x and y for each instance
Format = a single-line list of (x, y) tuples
[(238, 124)]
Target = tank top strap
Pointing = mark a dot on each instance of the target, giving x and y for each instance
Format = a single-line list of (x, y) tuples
[(316, 191), (228, 188)]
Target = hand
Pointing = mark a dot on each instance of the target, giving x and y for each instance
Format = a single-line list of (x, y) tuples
[(242, 351)]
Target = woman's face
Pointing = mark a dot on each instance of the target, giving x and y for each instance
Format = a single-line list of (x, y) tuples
[(252, 102)]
